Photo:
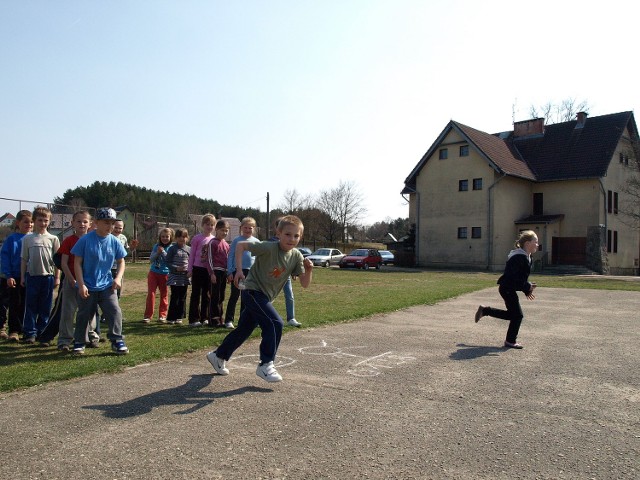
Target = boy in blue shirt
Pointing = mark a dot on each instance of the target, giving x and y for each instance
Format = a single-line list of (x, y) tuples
[(94, 254), (275, 263)]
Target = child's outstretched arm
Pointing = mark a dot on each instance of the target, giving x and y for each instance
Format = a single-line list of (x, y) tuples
[(305, 278), (240, 248)]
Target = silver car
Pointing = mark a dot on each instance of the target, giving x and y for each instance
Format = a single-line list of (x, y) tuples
[(324, 257)]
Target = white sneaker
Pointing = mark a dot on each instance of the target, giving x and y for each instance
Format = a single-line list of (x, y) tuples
[(268, 372), (229, 325), (146, 320), (217, 363), (162, 320), (294, 323), (195, 324)]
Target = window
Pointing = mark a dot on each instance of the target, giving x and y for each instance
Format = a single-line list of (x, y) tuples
[(538, 204), (443, 154), (462, 232), (476, 232), (477, 184), (612, 241), (612, 202), (463, 185), (464, 150)]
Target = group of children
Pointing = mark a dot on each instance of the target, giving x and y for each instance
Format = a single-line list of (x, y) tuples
[(208, 264), (30, 274), (92, 265)]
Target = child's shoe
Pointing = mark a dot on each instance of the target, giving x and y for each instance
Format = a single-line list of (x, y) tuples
[(119, 347), (78, 348), (146, 320), (292, 322), (229, 325), (14, 337), (162, 320), (3, 334), (513, 345), (480, 313), (218, 363), (268, 372)]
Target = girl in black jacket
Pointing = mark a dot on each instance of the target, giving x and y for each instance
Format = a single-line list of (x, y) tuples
[(515, 278)]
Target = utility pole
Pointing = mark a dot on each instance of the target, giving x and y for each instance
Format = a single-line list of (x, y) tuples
[(268, 218)]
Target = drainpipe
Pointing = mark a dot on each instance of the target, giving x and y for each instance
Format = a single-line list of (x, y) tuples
[(606, 218), (416, 246), (490, 222)]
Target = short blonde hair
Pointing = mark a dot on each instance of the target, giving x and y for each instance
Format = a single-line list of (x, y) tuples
[(248, 221), (41, 211), (289, 220), (208, 218)]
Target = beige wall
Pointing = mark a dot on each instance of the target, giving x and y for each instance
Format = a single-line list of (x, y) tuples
[(441, 209)]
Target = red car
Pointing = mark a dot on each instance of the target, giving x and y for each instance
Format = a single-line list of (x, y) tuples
[(362, 258)]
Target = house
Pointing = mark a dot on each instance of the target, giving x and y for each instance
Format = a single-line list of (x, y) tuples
[(7, 220), (472, 192)]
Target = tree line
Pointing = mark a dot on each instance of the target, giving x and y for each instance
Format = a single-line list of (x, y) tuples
[(334, 215)]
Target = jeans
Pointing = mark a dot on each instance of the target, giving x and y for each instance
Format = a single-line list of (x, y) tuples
[(288, 299), (256, 310), (234, 295), (39, 296), (108, 301)]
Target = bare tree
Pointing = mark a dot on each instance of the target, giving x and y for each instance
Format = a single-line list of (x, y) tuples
[(293, 202), (630, 207), (343, 205), (564, 111)]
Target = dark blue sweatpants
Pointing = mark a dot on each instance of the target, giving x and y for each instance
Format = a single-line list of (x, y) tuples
[(256, 310)]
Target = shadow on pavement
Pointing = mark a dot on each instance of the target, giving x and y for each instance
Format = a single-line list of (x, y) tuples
[(189, 394), (469, 352)]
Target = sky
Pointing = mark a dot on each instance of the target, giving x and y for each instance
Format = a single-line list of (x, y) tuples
[(233, 100)]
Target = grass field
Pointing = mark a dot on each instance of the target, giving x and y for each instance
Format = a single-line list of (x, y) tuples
[(334, 296)]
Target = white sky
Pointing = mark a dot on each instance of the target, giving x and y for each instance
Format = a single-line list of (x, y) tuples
[(230, 100)]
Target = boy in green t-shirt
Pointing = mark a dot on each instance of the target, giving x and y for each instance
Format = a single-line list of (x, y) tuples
[(275, 263)]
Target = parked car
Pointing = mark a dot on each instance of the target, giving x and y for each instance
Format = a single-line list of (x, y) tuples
[(325, 257), (362, 258), (304, 251), (387, 257)]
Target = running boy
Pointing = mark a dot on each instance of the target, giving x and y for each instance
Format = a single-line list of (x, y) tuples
[(275, 263), (94, 255), (38, 274)]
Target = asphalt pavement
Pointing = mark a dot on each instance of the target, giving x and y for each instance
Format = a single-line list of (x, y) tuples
[(418, 393)]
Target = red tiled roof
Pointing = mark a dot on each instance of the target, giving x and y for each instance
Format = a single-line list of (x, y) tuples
[(498, 152), (562, 152)]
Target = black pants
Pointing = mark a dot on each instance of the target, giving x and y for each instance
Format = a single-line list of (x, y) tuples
[(16, 297), (200, 291), (513, 313), (177, 302), (216, 308)]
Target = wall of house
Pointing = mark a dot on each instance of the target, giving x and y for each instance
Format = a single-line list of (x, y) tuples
[(511, 200), (443, 208), (626, 260)]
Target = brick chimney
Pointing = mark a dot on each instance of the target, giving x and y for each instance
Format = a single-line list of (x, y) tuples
[(581, 118), (535, 126)]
